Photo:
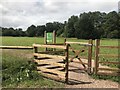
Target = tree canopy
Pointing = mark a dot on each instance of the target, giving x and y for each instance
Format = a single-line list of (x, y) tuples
[(89, 25)]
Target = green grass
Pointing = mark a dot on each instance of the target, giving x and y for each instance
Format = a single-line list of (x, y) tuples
[(18, 71), (28, 41), (14, 60), (106, 77)]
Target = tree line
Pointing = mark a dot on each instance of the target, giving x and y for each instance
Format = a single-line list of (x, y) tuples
[(85, 26)]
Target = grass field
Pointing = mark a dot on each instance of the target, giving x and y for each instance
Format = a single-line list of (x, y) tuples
[(28, 41), (15, 60)]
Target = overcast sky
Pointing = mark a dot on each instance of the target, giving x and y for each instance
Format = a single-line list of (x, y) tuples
[(23, 13)]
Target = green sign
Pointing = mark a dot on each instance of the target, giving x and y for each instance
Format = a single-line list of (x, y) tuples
[(49, 37)]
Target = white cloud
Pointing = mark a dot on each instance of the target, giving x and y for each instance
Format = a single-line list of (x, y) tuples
[(23, 13)]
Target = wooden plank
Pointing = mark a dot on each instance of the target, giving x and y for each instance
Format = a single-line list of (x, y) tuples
[(50, 46), (108, 73), (59, 73), (16, 47), (109, 46), (109, 69), (55, 77), (49, 62), (107, 62), (80, 43), (108, 55), (50, 56)]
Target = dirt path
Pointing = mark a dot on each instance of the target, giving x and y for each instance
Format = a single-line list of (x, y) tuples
[(80, 79)]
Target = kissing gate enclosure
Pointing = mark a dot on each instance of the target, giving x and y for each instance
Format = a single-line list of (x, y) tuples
[(58, 62), (55, 66)]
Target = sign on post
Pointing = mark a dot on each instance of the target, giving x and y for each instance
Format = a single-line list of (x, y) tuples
[(49, 37)]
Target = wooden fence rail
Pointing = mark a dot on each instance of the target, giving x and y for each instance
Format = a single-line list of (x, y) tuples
[(98, 68), (16, 47)]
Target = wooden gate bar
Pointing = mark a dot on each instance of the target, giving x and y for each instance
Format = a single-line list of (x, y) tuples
[(109, 47), (50, 62), (80, 43), (50, 56), (109, 55), (110, 69)]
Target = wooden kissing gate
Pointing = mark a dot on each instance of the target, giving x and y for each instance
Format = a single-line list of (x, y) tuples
[(57, 66)]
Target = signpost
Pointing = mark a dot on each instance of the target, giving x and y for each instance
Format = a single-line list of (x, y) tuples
[(49, 37)]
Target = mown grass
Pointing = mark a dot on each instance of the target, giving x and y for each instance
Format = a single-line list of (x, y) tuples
[(19, 71), (28, 41)]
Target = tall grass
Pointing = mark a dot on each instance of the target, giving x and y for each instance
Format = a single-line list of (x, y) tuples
[(18, 71)]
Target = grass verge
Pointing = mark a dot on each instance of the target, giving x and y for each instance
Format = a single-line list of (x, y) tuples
[(106, 77), (18, 71)]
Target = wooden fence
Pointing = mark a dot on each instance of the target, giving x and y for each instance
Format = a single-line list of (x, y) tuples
[(105, 70), (52, 66), (59, 69), (17, 47)]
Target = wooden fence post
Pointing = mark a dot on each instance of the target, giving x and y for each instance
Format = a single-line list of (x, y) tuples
[(54, 37), (45, 39), (64, 41), (66, 63), (90, 56), (35, 50), (97, 44)]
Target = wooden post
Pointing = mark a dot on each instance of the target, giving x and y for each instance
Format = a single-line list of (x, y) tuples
[(45, 39), (35, 51), (54, 37), (64, 41), (90, 56), (97, 43), (66, 63)]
